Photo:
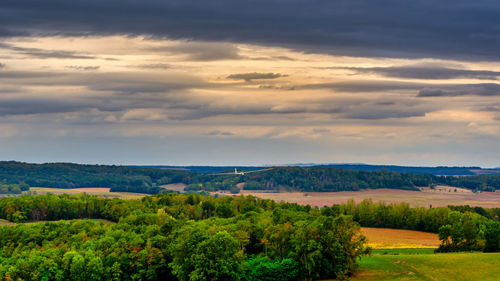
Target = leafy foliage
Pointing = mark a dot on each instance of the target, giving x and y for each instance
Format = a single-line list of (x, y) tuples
[(13, 188), (173, 237)]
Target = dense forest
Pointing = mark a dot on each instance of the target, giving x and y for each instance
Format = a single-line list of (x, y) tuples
[(438, 171), (174, 237), (150, 180), (68, 175), (13, 188), (195, 237), (331, 179)]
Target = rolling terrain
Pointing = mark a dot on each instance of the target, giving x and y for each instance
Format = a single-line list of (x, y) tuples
[(414, 198)]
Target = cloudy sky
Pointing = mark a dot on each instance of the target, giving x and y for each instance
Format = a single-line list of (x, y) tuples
[(251, 82)]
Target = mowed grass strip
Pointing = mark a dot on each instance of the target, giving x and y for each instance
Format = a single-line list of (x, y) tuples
[(449, 266), (6, 223), (387, 238), (406, 251), (95, 191)]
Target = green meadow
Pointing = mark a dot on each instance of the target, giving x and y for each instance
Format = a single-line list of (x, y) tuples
[(411, 265), (403, 251)]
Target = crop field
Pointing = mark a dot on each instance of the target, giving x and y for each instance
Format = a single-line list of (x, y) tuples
[(386, 238), (449, 266), (409, 255), (424, 198), (97, 191), (179, 187)]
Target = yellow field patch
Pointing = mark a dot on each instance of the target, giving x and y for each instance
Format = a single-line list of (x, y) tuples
[(386, 238)]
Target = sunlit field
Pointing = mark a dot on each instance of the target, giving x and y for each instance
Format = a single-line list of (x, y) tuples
[(450, 266), (101, 192), (414, 198), (386, 238), (409, 255)]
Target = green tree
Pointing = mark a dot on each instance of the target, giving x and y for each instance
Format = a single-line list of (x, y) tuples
[(217, 258)]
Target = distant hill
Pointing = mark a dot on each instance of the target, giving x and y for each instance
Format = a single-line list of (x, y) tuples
[(437, 171), (332, 177), (205, 169)]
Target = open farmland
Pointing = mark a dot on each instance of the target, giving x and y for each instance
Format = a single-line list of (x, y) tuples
[(414, 198), (449, 266), (179, 187), (96, 191), (386, 238)]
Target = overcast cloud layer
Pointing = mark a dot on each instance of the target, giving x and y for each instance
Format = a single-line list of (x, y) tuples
[(250, 82), (458, 29)]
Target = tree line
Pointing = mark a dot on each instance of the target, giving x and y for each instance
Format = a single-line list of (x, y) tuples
[(460, 228), (150, 180), (13, 188), (331, 179)]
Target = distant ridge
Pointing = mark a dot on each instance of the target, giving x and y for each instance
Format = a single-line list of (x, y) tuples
[(438, 171)]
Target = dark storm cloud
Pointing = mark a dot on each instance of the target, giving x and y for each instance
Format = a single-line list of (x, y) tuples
[(459, 29), (380, 113), (490, 108), (254, 76), (27, 74), (10, 33), (38, 106), (220, 133), (320, 131), (427, 72), (337, 108), (2, 65), (85, 68), (365, 86), (127, 83), (153, 66), (422, 89), (202, 51), (486, 89), (45, 54)]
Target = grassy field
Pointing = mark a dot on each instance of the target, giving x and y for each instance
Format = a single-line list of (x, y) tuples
[(423, 198), (450, 266), (97, 191), (409, 255), (403, 251), (386, 238), (6, 223), (179, 187)]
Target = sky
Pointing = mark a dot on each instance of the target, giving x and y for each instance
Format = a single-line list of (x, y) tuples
[(250, 82)]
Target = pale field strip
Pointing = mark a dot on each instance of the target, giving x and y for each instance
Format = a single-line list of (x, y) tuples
[(414, 198), (96, 191), (179, 187)]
